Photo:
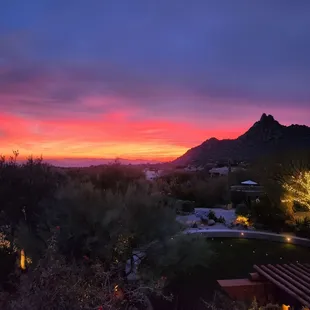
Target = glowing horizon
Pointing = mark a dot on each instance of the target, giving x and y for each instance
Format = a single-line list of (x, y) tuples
[(107, 137)]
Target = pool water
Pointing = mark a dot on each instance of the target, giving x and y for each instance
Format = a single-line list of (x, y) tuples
[(232, 258)]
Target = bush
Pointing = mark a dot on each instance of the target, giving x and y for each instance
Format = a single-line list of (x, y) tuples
[(195, 225), (8, 261), (179, 255), (242, 220), (221, 220), (272, 214), (242, 209), (237, 197), (212, 216), (56, 284), (302, 227), (188, 206), (184, 206), (205, 192)]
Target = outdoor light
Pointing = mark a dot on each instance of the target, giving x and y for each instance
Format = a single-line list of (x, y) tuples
[(288, 239), (242, 234), (22, 260), (298, 189)]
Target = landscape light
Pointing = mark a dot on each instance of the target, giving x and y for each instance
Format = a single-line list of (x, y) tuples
[(288, 239), (242, 234), (22, 260)]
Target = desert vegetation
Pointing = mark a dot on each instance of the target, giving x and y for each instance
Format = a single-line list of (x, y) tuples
[(106, 238), (69, 241)]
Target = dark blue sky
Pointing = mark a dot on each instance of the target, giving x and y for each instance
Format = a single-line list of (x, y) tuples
[(194, 61)]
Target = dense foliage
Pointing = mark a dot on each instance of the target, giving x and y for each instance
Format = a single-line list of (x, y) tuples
[(106, 238), (80, 232), (196, 187)]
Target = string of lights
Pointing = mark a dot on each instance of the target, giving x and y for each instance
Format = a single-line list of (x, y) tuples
[(298, 189)]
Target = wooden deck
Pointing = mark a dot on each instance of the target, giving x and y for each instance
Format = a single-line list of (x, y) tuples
[(293, 279), (282, 282), (247, 290)]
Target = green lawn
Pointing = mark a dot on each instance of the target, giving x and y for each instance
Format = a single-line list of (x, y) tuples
[(233, 258)]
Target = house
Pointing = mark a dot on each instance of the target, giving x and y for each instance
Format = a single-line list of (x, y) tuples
[(221, 171), (193, 168), (246, 191), (249, 187), (152, 174)]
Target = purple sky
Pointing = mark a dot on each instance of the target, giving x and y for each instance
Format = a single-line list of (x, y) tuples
[(205, 68)]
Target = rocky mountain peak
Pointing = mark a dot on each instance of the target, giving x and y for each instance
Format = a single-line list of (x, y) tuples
[(266, 136), (266, 118)]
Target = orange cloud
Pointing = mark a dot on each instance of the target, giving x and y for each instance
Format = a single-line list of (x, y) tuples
[(107, 136)]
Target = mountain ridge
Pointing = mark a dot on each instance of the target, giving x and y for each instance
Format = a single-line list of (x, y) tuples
[(264, 137)]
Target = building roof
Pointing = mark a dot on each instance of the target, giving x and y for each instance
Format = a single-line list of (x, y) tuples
[(220, 170), (294, 279), (248, 182)]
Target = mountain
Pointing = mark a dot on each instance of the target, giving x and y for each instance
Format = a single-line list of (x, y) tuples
[(265, 137)]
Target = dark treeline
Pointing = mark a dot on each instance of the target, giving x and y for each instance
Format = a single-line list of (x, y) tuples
[(70, 236), (77, 231)]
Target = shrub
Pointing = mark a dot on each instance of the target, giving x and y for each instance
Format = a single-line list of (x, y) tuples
[(205, 192), (272, 214), (56, 284), (242, 209), (212, 216), (8, 261), (242, 220), (302, 227), (195, 225), (178, 256), (184, 206), (188, 206), (237, 197), (221, 220)]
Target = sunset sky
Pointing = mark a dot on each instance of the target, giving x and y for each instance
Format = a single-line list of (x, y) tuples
[(147, 79)]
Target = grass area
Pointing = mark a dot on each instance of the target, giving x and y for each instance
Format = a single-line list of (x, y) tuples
[(233, 258)]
